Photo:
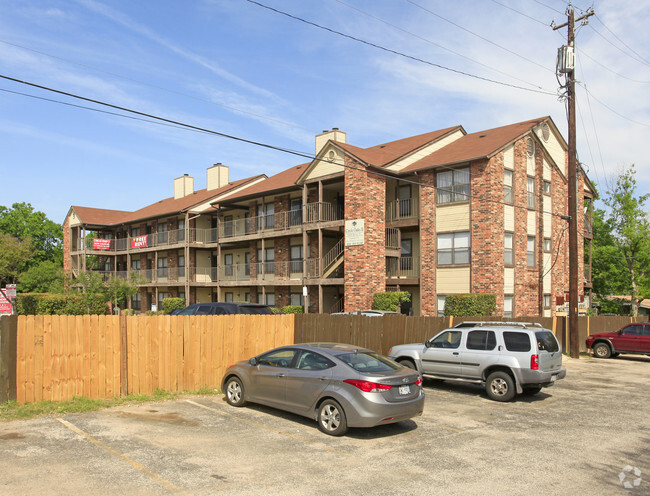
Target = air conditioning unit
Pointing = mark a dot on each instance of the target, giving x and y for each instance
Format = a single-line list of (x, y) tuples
[(566, 59)]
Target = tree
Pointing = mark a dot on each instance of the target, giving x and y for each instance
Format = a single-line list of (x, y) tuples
[(622, 242), (14, 256), (46, 277), (21, 221)]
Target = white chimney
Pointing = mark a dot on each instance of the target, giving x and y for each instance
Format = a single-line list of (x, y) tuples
[(217, 176), (183, 186), (335, 135)]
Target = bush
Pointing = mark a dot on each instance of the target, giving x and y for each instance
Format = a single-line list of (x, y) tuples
[(170, 304), (292, 309), (390, 300), (61, 304), (470, 305)]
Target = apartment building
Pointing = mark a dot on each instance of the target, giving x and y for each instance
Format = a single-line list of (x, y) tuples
[(440, 213)]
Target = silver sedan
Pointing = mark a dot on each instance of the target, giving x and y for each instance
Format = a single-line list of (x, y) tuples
[(338, 385)]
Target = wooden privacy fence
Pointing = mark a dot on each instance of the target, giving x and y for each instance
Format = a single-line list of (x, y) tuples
[(58, 357)]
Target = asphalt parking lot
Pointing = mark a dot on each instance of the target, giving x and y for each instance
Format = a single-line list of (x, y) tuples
[(580, 436)]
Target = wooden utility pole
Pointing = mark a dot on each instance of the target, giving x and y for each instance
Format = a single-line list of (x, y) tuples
[(574, 194)]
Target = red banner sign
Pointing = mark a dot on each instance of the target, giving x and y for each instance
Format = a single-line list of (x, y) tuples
[(140, 241), (5, 305), (101, 244)]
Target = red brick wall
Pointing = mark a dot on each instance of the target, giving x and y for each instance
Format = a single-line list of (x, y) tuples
[(282, 257), (428, 303), (67, 246), (365, 265)]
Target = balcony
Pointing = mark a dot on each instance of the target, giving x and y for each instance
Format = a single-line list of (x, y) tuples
[(402, 210), (402, 268), (164, 238)]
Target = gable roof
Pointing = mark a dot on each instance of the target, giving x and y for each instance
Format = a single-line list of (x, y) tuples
[(278, 182), (168, 206), (475, 146)]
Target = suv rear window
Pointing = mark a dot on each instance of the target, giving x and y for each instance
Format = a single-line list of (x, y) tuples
[(481, 340), (516, 341), (546, 341)]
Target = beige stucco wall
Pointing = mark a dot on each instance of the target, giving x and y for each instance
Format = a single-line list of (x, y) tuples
[(451, 218), (453, 280)]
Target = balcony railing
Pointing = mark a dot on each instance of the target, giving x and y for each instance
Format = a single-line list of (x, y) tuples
[(279, 221), (320, 212), (402, 209), (164, 238), (404, 267), (392, 238)]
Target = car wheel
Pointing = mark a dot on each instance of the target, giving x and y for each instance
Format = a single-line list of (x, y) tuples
[(602, 350), (407, 363), (331, 418), (529, 391), (235, 392), (500, 386)]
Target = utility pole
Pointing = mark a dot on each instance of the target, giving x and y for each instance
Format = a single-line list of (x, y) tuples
[(568, 66)]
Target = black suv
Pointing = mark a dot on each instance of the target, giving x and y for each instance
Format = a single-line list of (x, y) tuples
[(219, 308)]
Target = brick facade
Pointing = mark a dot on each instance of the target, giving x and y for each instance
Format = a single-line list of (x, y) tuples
[(428, 305)]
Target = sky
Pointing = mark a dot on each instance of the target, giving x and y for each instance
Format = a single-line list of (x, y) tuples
[(240, 69)]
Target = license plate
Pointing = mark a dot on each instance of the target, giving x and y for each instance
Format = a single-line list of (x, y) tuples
[(404, 389)]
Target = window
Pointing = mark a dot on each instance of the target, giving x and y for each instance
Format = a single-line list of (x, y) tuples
[(546, 187), (368, 362), (404, 200), (295, 215), (247, 264), (135, 231), (296, 259), (546, 341), (441, 306), (530, 251), (453, 185), (181, 230), (313, 361), (507, 186), (547, 301), (266, 213), (181, 265), (136, 301), (296, 299), (228, 267), (453, 248), (507, 306), (161, 296), (135, 264), (481, 340), (279, 358), (448, 339), (516, 341), (406, 260), (162, 266), (547, 245), (508, 253), (227, 226), (269, 259), (268, 300), (229, 297), (530, 192), (632, 330), (162, 236)]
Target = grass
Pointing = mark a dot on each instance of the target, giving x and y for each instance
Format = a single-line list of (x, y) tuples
[(13, 411)]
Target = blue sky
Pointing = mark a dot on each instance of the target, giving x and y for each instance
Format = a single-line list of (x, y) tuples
[(237, 68)]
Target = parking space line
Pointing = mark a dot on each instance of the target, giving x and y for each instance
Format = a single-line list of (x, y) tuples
[(128, 460), (283, 433)]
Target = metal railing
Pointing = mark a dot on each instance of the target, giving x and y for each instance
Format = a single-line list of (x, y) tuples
[(320, 212), (402, 209), (403, 267), (392, 238), (164, 238)]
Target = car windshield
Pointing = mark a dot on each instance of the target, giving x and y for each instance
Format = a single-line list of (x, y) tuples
[(366, 361), (546, 341)]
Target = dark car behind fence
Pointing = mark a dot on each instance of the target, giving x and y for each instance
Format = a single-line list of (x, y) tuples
[(57, 357)]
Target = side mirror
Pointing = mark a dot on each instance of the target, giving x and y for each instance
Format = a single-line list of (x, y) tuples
[(427, 344), (253, 361)]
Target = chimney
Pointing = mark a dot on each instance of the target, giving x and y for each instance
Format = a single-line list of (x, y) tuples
[(217, 176), (183, 186), (335, 135)]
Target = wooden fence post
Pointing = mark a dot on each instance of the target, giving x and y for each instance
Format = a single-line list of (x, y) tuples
[(8, 350), (124, 370)]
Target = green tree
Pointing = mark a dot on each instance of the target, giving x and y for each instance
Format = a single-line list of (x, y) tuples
[(622, 242), (119, 289), (22, 222), (14, 256), (46, 277)]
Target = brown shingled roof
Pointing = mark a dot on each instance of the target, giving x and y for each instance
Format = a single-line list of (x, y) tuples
[(475, 146), (168, 206), (281, 181), (386, 153)]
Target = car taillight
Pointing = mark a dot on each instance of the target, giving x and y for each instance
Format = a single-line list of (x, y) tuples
[(367, 386), (534, 362), (418, 382)]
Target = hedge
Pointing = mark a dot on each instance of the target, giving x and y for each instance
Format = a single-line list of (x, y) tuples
[(390, 300), (170, 304), (60, 304), (468, 305)]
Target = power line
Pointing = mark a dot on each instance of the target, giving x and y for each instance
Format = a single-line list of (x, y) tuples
[(158, 87), (582, 52), (520, 13), (426, 40), (640, 59), (644, 124), (400, 54), (549, 7), (619, 39), (479, 36), (309, 156)]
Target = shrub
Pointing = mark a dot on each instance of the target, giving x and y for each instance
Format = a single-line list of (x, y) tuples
[(468, 305), (61, 304), (170, 304), (390, 300), (292, 309)]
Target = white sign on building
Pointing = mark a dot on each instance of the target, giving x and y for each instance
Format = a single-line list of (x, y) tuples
[(355, 232)]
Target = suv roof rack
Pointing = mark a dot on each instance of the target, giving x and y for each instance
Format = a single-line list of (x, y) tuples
[(497, 323)]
